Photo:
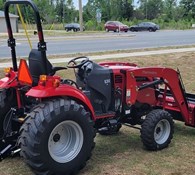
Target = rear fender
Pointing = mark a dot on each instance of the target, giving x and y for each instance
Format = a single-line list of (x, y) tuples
[(42, 92)]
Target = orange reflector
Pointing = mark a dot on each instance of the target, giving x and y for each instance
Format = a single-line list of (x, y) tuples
[(43, 77), (56, 83), (7, 70), (24, 73)]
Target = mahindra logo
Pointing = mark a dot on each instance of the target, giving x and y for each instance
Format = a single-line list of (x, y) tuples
[(149, 72), (107, 81)]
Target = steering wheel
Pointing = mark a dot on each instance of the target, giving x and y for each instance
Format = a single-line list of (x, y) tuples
[(74, 61), (70, 82)]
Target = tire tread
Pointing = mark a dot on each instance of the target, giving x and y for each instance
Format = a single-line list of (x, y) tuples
[(148, 126), (36, 124)]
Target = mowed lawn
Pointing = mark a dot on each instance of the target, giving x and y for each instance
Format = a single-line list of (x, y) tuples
[(124, 154)]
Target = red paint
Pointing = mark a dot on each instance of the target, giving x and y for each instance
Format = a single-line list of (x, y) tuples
[(18, 98), (130, 72), (172, 81), (10, 81), (62, 91), (40, 35)]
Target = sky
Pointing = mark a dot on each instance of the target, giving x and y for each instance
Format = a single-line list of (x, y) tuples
[(76, 3), (84, 2)]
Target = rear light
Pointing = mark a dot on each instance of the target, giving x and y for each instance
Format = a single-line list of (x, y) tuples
[(43, 78), (48, 81), (7, 70), (56, 83)]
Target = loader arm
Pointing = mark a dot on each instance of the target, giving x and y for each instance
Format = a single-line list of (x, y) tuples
[(169, 77)]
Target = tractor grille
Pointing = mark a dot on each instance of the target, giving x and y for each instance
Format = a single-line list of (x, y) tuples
[(118, 79)]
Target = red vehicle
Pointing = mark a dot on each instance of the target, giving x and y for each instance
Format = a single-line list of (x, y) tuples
[(52, 121), (115, 26)]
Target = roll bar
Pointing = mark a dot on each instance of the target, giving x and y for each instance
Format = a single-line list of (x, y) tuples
[(11, 41)]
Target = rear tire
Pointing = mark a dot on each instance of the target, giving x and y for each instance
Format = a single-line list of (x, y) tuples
[(7, 100), (151, 30), (57, 138), (132, 30), (157, 130)]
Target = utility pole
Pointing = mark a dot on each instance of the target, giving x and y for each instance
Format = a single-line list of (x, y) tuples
[(81, 15), (146, 9), (16, 13), (63, 20)]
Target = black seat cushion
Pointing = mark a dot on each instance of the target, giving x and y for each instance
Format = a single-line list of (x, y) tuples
[(36, 65)]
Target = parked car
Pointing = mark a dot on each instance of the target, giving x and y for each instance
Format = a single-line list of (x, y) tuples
[(115, 26), (145, 26), (73, 26)]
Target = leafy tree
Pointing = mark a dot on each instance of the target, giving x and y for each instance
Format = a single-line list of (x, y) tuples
[(166, 12), (127, 9), (189, 8), (46, 10), (2, 4), (51, 11), (151, 8), (111, 9), (172, 11), (65, 10), (169, 7)]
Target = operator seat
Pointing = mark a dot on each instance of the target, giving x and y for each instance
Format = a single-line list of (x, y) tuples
[(36, 66)]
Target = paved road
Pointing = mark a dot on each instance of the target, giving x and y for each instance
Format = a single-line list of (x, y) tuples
[(110, 41)]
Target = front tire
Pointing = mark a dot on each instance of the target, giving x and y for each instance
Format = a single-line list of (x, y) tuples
[(57, 138), (157, 130)]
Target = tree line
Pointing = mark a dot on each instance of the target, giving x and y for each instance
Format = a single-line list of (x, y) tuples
[(63, 11), (146, 9)]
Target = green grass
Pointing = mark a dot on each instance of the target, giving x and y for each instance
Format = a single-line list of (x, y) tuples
[(124, 154)]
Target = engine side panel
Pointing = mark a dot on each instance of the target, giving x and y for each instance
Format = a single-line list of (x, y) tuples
[(97, 84)]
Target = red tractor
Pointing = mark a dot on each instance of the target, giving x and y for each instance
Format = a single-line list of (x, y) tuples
[(52, 121)]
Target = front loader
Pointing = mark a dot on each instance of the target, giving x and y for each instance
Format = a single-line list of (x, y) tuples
[(52, 121)]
